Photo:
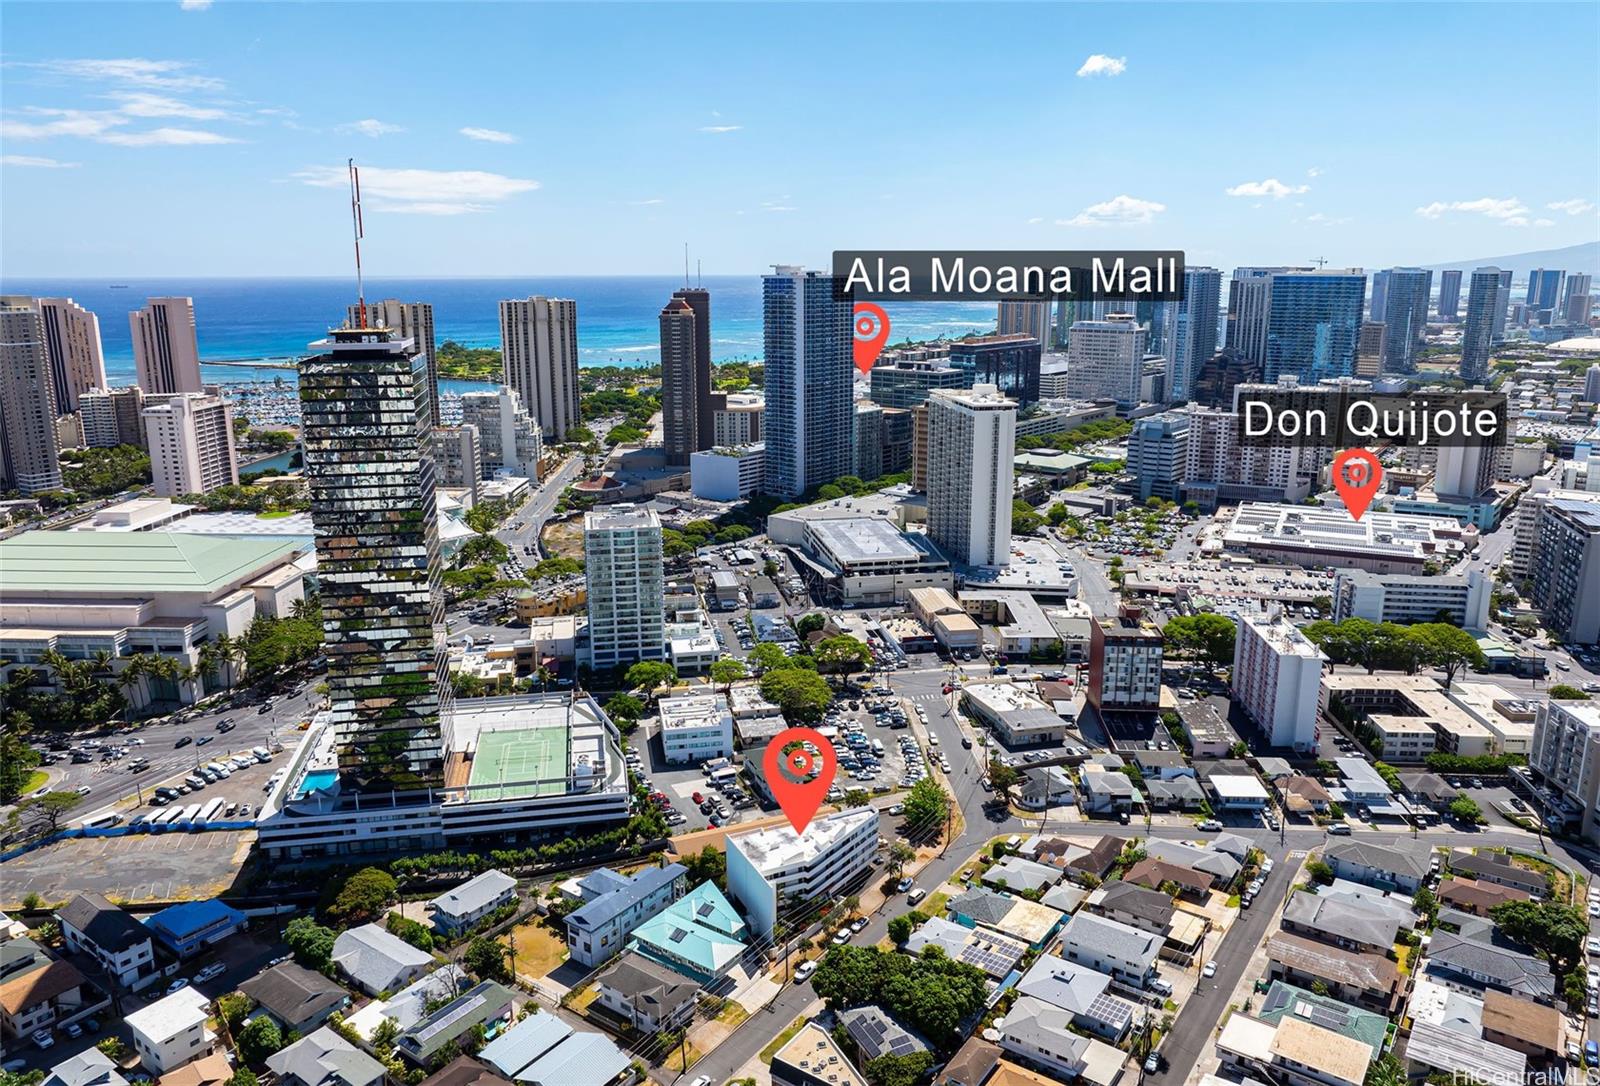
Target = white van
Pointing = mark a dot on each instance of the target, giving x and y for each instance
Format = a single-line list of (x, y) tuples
[(916, 895), (262, 754)]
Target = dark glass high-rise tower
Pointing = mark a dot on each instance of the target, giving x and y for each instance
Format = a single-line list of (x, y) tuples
[(366, 428), (699, 302), (680, 396), (1314, 324)]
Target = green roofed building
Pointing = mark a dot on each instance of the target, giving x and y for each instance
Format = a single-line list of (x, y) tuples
[(701, 935), (1285, 1000), (142, 594)]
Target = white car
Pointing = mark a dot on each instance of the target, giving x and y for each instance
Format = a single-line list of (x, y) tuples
[(215, 969), (803, 972), (1594, 944), (1210, 970)]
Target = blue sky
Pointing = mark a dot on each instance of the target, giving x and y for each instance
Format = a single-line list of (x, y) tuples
[(505, 139)]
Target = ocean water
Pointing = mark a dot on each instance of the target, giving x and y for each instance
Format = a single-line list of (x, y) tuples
[(274, 319)]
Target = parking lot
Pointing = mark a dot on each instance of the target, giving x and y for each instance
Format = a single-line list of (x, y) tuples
[(136, 868)]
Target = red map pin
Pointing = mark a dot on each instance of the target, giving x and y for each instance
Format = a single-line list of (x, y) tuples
[(798, 775), (1356, 474), (872, 332)]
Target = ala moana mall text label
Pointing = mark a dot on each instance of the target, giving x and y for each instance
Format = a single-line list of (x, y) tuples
[(995, 276)]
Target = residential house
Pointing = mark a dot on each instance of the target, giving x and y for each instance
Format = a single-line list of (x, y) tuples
[(1175, 793), (1292, 1051), (876, 1033), (1044, 787), (189, 927), (812, 1058), (1365, 980), (465, 1071), (325, 1059), (1441, 1051), (1403, 865), (298, 999), (1134, 905), (1162, 765), (971, 1065), (598, 930), (1496, 868), (525, 1042), (646, 994), (1427, 788), (1343, 922), (1473, 896), (91, 1067), (1157, 873), (120, 944), (995, 954), (1107, 793), (542, 1050), (701, 936), (1019, 875), (462, 908), (377, 961), (1288, 1001), (1221, 866), (1040, 1034), (1081, 992), (482, 1005), (1065, 897), (171, 1031), (410, 1005), (1301, 795), (42, 998), (212, 1069), (1124, 953), (1029, 921), (1474, 965), (1237, 791), (1534, 1029)]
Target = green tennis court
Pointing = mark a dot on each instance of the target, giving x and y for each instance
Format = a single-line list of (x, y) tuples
[(526, 755)]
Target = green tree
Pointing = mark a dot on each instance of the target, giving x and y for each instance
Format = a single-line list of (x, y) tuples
[(1556, 932), (901, 854), (1386, 1070), (246, 1077), (1320, 872), (727, 672), (842, 654), (551, 568), (707, 865), (309, 942), (767, 657), (900, 929), (50, 808), (927, 805), (898, 1070), (259, 1039), (1446, 647), (1204, 636), (487, 959), (1565, 692), (807, 625), (1003, 778), (1465, 809), (625, 710), (857, 797), (232, 1008), (409, 930), (648, 675), (363, 896), (802, 695)]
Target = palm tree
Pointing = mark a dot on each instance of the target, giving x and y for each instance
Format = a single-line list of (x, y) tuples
[(101, 661)]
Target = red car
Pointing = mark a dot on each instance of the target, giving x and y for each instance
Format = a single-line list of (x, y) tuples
[(698, 799)]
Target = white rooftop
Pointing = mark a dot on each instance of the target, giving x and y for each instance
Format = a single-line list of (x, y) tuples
[(779, 847), (170, 1015), (692, 711), (1238, 786)]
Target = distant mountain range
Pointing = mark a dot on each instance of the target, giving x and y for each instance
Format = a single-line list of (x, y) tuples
[(1573, 258)]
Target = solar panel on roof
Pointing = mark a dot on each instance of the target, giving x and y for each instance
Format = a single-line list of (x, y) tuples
[(678, 935), (706, 909), (432, 1029)]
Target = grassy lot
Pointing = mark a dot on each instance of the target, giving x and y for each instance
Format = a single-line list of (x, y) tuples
[(732, 1014), (579, 1000), (539, 951), (782, 1039), (934, 903), (35, 781), (1403, 956)]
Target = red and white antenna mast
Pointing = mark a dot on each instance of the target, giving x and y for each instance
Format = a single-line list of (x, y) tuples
[(355, 224)]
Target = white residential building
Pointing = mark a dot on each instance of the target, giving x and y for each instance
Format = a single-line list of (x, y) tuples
[(166, 352), (191, 444), (696, 728), (1105, 359), (1277, 675), (459, 909), (971, 451), (736, 420), (1407, 598), (626, 583), (539, 352), (171, 1031), (616, 904), (1124, 953), (767, 868), (508, 436), (1566, 753), (77, 363), (728, 473)]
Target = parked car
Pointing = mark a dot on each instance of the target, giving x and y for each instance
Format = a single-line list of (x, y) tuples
[(803, 972), (215, 969), (1210, 969)]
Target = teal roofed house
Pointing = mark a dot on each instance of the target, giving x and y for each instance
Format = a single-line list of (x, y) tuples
[(1325, 1011), (700, 935)]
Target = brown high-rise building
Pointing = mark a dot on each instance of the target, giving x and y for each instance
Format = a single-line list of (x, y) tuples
[(680, 392), (699, 300), (29, 454)]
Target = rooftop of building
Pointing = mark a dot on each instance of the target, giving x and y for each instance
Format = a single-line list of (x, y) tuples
[(614, 518), (89, 564), (693, 710), (865, 539), (779, 847), (1283, 637)]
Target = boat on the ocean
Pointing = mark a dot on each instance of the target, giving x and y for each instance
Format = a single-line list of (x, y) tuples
[(118, 286)]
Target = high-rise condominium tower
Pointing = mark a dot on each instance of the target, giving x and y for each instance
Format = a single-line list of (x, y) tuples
[(166, 354), (414, 321), (1404, 316), (699, 301), (1544, 286), (810, 371), (539, 350), (1450, 294), (1025, 319), (508, 438), (366, 428), (972, 437), (1195, 331), (1575, 300), (191, 444), (626, 585), (1105, 360), (1502, 306), (680, 394), (1249, 295), (77, 364), (29, 452), (1314, 323), (1483, 302)]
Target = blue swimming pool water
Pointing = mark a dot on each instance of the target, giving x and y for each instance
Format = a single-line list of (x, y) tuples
[(319, 778)]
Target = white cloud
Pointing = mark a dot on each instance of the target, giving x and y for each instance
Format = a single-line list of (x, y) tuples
[(144, 104), (84, 124), (1118, 211), (488, 135), (166, 137), (371, 127), (646, 203), (36, 161), (1272, 187), (194, 5), (1100, 64), (1508, 210), (134, 71), (1327, 220), (718, 129), (1314, 171), (423, 192), (1036, 219), (1544, 222), (1571, 207)]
